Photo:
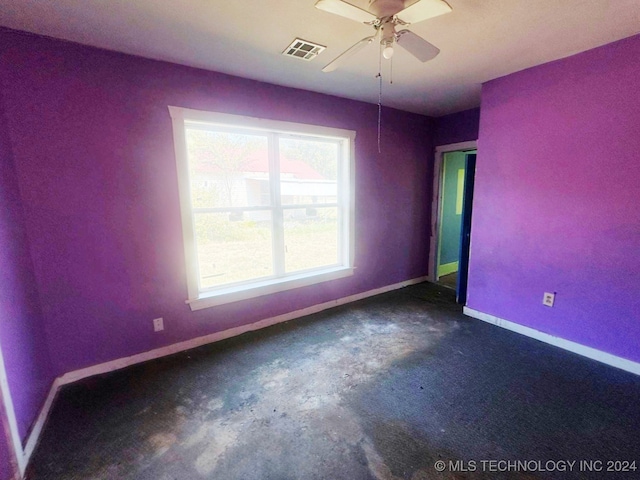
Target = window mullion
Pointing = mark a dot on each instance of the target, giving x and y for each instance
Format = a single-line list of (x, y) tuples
[(277, 217), (342, 215)]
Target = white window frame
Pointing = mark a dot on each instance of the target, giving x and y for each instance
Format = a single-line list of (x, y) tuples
[(199, 299)]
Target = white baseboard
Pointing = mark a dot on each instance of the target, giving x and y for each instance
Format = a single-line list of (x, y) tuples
[(447, 268), (36, 431), (589, 352), (216, 337), (74, 376), (10, 423)]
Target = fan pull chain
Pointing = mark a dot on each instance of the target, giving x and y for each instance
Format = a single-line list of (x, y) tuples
[(379, 112), (379, 98), (391, 71)]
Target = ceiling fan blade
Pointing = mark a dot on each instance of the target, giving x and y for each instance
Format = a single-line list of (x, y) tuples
[(423, 10), (417, 46), (336, 62), (345, 9)]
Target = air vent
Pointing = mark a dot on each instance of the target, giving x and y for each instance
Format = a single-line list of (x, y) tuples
[(303, 50)]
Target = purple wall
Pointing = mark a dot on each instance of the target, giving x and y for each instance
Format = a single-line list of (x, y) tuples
[(22, 334), (557, 199), (457, 127), (93, 148)]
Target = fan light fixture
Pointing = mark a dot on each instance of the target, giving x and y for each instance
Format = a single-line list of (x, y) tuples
[(388, 51)]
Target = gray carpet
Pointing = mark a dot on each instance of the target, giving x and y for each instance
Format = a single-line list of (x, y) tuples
[(378, 389)]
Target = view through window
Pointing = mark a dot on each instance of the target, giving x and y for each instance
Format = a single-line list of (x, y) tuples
[(265, 204)]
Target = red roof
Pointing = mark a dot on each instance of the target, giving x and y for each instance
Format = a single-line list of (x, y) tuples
[(259, 162)]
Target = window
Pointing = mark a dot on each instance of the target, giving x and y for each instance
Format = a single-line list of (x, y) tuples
[(266, 206)]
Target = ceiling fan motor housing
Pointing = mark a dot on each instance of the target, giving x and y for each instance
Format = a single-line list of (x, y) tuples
[(386, 8), (388, 32)]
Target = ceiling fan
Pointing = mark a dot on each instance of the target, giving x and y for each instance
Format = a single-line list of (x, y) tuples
[(384, 16)]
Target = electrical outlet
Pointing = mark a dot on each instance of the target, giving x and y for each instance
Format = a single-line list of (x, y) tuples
[(158, 324), (548, 299)]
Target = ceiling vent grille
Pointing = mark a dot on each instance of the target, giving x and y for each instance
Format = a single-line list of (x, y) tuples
[(303, 49)]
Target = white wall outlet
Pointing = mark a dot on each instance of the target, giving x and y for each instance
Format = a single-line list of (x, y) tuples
[(158, 324), (548, 299)]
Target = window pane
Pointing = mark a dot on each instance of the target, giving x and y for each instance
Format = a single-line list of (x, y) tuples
[(308, 171), (310, 238), (227, 169), (233, 247)]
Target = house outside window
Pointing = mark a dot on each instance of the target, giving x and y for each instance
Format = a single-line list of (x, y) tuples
[(266, 206)]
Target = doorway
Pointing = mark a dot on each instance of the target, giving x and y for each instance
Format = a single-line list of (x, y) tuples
[(451, 225)]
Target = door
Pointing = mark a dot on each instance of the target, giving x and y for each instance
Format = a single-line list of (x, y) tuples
[(465, 230)]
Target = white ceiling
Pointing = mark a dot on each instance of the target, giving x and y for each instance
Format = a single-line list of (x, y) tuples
[(480, 40)]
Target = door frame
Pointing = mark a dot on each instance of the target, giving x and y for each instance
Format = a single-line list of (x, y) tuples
[(436, 201)]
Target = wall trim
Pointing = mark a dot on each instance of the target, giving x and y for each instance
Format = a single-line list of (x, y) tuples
[(589, 352), (10, 421), (36, 431), (73, 376), (454, 147), (119, 363), (447, 268)]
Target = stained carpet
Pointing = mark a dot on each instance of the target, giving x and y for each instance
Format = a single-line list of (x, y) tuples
[(379, 389)]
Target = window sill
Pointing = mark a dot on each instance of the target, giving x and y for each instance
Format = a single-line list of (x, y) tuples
[(268, 287)]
